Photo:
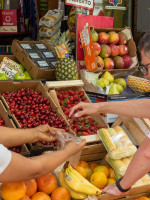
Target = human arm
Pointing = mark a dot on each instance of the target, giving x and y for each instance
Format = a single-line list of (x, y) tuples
[(21, 168), (132, 108), (10, 137), (139, 166)]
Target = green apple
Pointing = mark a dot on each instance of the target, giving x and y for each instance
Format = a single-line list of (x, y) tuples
[(19, 76), (27, 75), (21, 67), (108, 76), (102, 82), (3, 76), (120, 81)]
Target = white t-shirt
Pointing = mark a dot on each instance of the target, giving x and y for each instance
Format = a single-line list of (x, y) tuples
[(5, 158)]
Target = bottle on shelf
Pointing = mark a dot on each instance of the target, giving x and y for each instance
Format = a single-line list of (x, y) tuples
[(7, 4)]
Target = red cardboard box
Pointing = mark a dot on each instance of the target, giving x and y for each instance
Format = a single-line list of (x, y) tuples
[(8, 21)]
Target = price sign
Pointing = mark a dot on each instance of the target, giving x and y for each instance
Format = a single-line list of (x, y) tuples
[(87, 4)]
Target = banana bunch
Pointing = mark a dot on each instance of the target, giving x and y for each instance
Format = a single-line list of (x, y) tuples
[(78, 186)]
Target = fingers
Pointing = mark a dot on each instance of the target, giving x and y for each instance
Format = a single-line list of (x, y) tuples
[(78, 106), (83, 143)]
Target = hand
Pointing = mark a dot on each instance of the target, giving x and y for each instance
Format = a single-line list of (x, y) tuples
[(85, 109), (46, 133), (113, 190), (72, 148)]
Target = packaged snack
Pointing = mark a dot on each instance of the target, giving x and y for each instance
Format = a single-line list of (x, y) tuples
[(49, 31), (53, 38), (116, 142), (51, 18)]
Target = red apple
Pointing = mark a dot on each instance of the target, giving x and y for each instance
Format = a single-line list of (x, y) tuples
[(108, 63), (123, 49), (97, 49), (114, 50)]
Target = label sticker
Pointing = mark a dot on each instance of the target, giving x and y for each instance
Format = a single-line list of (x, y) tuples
[(34, 55), (48, 54), (25, 46), (40, 46), (42, 63)]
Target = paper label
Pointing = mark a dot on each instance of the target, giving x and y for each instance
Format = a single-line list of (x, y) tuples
[(25, 46), (61, 51), (87, 4)]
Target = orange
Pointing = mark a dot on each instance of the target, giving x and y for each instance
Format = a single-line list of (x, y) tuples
[(13, 191), (99, 179), (60, 193), (81, 171), (143, 198), (102, 168), (26, 197), (111, 173), (93, 165), (83, 163), (46, 183), (40, 196), (111, 181), (89, 172), (31, 187)]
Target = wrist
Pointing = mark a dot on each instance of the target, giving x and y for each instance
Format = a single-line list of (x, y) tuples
[(122, 187)]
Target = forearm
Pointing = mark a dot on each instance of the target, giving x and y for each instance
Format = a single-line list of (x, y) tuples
[(131, 108), (10, 137), (142, 162), (22, 168)]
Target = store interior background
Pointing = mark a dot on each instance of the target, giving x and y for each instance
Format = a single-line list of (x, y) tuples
[(136, 16)]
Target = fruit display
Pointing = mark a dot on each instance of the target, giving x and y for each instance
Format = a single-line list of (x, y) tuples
[(117, 143), (31, 110), (42, 188), (112, 48), (110, 85), (81, 126), (138, 84), (66, 69), (12, 70)]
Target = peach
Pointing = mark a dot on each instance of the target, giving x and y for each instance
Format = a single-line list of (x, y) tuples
[(113, 37), (108, 63), (123, 49), (97, 49), (103, 38), (114, 50)]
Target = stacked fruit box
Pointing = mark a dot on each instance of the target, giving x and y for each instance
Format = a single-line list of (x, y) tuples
[(66, 94), (30, 105), (117, 50), (5, 120)]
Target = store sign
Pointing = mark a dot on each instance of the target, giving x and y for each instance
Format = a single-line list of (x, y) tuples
[(115, 5), (115, 2), (87, 4)]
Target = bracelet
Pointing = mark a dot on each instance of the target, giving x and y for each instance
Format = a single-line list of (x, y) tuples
[(119, 186)]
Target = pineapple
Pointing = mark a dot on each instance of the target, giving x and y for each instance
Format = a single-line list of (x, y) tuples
[(66, 69)]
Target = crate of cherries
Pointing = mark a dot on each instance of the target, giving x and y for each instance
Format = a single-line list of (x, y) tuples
[(81, 126), (30, 109)]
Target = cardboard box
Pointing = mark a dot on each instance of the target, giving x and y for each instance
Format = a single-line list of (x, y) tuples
[(8, 21), (29, 65), (9, 123), (36, 86), (52, 87), (130, 43)]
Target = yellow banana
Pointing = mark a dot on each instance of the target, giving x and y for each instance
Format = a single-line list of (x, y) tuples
[(74, 195), (81, 178), (82, 186)]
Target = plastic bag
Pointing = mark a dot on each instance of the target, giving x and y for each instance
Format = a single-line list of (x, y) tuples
[(51, 18), (63, 139), (116, 142)]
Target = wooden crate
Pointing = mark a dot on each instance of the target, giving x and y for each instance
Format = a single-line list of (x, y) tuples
[(53, 86)]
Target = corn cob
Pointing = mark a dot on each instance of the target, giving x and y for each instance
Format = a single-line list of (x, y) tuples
[(104, 135), (117, 176), (127, 160), (117, 165), (122, 152), (115, 137), (138, 84)]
